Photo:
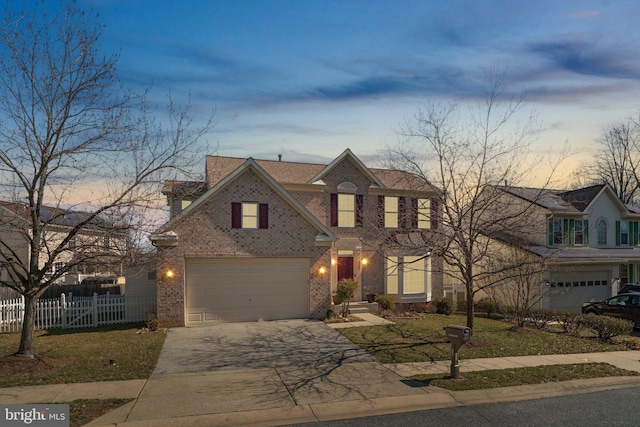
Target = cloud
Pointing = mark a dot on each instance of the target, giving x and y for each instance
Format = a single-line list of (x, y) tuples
[(586, 58)]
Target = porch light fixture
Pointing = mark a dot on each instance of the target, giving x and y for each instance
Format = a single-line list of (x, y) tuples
[(364, 261), (169, 274), (322, 270), (333, 261)]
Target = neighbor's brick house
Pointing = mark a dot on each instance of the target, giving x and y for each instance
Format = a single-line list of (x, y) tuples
[(271, 239)]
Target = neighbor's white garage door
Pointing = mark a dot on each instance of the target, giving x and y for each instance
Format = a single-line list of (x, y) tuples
[(569, 291), (246, 289)]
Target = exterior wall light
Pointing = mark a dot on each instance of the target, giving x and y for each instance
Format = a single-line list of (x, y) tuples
[(364, 261), (169, 274), (333, 261), (322, 270)]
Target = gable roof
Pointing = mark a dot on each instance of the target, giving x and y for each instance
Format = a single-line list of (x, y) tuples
[(569, 202), (347, 155), (56, 216), (218, 167), (325, 235), (582, 197)]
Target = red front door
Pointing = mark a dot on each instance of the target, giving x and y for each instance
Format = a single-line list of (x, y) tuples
[(345, 267)]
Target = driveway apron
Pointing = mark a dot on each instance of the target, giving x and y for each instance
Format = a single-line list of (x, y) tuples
[(233, 367)]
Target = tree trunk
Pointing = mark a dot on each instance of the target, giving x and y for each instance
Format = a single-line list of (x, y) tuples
[(28, 327), (470, 312)]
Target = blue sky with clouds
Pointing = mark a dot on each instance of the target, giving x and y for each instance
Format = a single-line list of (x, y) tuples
[(310, 78)]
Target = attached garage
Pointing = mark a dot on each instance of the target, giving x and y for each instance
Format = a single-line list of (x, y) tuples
[(569, 291), (237, 290)]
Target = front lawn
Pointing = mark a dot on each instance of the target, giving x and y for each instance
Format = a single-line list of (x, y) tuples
[(423, 340), (521, 376), (106, 353)]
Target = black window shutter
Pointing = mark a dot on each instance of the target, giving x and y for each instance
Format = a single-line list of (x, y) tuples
[(380, 211), (264, 215), (414, 214), (434, 213), (359, 207), (236, 215), (334, 209)]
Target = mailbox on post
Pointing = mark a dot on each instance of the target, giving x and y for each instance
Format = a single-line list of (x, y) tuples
[(457, 335)]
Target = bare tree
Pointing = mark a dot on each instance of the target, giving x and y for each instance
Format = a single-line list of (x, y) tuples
[(472, 161), (522, 289), (74, 145), (617, 160)]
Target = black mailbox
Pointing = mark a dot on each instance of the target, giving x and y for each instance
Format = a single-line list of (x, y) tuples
[(457, 334)]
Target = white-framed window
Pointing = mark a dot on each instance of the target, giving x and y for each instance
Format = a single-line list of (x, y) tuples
[(578, 232), (424, 213), (106, 242), (558, 231), (408, 277), (601, 226), (346, 210), (391, 212), (250, 215), (624, 233), (392, 275)]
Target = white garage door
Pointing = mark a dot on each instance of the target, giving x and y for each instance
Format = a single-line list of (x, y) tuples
[(238, 290), (569, 291)]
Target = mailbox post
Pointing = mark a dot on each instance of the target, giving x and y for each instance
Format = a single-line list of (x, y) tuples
[(457, 335)]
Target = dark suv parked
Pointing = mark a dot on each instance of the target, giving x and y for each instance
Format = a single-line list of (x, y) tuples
[(630, 287), (624, 306)]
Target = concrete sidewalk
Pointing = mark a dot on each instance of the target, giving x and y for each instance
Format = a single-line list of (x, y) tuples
[(160, 412)]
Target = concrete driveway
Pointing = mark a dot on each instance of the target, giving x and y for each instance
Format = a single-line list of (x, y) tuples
[(234, 367)]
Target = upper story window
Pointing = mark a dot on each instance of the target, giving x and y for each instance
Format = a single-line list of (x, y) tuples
[(346, 206), (250, 215), (390, 212), (578, 232), (568, 231), (106, 242), (601, 226), (72, 242), (424, 213), (623, 233), (558, 231), (346, 210)]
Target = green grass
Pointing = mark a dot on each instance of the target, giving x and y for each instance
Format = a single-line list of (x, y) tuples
[(423, 340), (522, 376), (86, 355), (85, 410)]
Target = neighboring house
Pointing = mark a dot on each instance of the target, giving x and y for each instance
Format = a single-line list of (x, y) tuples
[(589, 241), (271, 239), (96, 244)]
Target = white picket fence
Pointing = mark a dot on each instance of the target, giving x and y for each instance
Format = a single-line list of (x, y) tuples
[(77, 312)]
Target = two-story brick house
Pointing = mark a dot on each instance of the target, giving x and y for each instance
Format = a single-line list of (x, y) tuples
[(268, 240), (589, 241)]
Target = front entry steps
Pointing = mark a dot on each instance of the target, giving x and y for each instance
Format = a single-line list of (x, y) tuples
[(356, 307)]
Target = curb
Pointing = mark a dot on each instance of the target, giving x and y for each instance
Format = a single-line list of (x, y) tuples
[(434, 398)]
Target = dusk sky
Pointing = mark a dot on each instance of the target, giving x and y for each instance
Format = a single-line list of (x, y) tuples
[(309, 79)]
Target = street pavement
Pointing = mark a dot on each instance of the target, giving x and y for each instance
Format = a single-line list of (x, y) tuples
[(297, 371)]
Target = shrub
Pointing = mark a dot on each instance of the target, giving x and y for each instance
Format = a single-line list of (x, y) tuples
[(385, 302), (443, 305), (572, 323), (607, 327), (631, 343), (540, 317), (488, 306), (152, 323), (346, 290)]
